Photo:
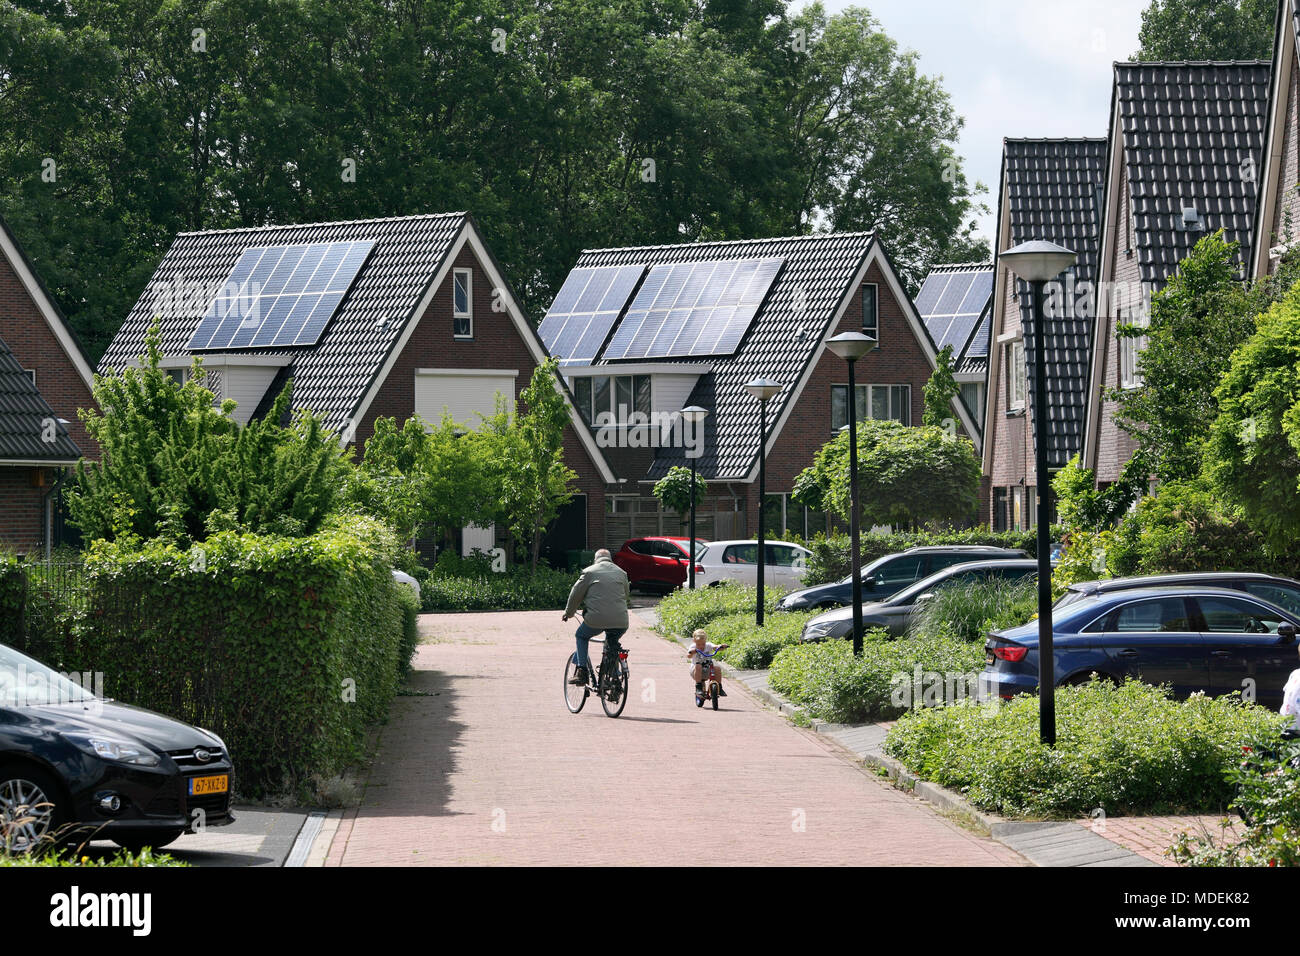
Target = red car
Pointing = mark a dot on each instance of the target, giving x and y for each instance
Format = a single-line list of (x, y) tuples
[(658, 563)]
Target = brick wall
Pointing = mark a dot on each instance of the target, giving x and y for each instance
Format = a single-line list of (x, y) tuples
[(20, 510), (1114, 446), (1011, 438), (1286, 211), (899, 360), (496, 344), (35, 345)]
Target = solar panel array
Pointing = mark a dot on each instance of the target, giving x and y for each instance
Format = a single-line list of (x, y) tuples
[(280, 296), (693, 308), (586, 308), (951, 304)]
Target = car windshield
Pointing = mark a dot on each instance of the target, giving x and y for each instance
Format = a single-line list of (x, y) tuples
[(28, 683)]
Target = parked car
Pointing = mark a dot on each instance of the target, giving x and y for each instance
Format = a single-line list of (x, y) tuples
[(885, 577), (785, 563), (1283, 592), (895, 614), (401, 577), (658, 563), (1215, 640), (71, 762)]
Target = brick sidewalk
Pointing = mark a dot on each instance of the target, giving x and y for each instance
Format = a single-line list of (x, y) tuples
[(1151, 836), (487, 767)]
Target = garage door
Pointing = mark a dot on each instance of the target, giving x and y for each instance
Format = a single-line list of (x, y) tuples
[(462, 393)]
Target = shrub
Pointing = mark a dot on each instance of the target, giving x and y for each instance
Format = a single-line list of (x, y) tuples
[(286, 647), (831, 684), (1126, 750), (752, 647), (1267, 786), (831, 556), (145, 857), (683, 611), (516, 589), (970, 610)]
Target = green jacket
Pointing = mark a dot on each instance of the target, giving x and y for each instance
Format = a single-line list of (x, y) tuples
[(603, 593)]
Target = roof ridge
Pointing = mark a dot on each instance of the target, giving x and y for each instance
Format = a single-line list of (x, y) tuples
[(733, 242), (334, 222), (940, 266), (1054, 139), (1168, 63)]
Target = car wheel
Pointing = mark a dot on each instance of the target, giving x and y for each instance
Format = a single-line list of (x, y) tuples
[(133, 841), (31, 809)]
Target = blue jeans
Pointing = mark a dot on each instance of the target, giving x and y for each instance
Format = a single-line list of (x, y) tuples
[(585, 634)]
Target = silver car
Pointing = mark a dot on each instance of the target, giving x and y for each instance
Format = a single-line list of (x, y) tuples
[(895, 614)]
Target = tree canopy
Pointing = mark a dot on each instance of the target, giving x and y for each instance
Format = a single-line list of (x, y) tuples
[(573, 124), (1207, 30)]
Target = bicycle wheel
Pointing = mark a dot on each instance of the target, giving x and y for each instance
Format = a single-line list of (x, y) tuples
[(575, 695), (613, 696)]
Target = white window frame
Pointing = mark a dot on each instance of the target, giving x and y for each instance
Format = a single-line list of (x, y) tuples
[(468, 313), (1017, 376), (874, 334), (590, 412), (1129, 348), (869, 387), (31, 374)]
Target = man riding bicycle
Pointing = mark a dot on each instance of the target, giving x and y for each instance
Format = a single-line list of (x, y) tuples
[(604, 594)]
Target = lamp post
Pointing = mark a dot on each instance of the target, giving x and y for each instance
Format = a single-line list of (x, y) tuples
[(763, 389), (1039, 263), (694, 416), (851, 346)]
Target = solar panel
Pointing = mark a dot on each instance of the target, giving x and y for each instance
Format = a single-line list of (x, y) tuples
[(280, 296), (693, 308), (951, 304), (585, 309)]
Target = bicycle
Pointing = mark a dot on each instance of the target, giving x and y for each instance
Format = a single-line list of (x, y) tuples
[(709, 685), (609, 682)]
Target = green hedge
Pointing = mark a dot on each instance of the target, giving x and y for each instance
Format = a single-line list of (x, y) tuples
[(682, 611), (831, 557), (286, 647), (970, 610), (831, 684), (1124, 750), (753, 647), (517, 589)]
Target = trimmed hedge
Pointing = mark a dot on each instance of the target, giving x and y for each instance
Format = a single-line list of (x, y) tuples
[(517, 589), (286, 647), (831, 684), (682, 611), (832, 557), (752, 647), (1125, 750)]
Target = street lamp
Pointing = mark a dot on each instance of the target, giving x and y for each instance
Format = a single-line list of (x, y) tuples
[(1038, 263), (694, 416), (763, 389), (851, 346)]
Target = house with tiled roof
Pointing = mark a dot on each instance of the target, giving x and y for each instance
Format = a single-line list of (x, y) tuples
[(1277, 211), (371, 318), (1186, 145), (644, 332), (1050, 189), (956, 304), (45, 379)]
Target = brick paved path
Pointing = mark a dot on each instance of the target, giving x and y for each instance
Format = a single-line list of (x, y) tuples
[(489, 768), (1151, 836)]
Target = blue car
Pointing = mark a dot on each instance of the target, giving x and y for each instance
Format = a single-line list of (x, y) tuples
[(1193, 639)]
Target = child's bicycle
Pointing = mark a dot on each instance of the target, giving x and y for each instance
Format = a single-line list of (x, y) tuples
[(709, 685)]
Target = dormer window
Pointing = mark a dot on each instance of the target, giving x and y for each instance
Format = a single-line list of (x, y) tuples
[(870, 312), (618, 396), (462, 303)]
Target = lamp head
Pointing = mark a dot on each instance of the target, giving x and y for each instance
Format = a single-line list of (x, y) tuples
[(1038, 261), (850, 346), (763, 389), (694, 414)]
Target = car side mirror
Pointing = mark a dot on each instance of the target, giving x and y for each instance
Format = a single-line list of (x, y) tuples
[(1286, 632)]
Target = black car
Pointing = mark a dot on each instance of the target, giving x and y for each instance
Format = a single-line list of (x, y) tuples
[(1283, 592), (885, 577), (76, 765), (1193, 639)]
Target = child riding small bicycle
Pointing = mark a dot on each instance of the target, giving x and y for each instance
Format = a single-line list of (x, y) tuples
[(700, 654)]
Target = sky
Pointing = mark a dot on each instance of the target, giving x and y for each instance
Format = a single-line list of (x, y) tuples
[(1015, 68)]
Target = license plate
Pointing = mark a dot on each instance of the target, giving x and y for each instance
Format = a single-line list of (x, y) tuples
[(218, 783)]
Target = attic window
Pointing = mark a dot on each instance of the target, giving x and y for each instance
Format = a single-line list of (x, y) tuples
[(462, 302), (30, 373), (870, 312)]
